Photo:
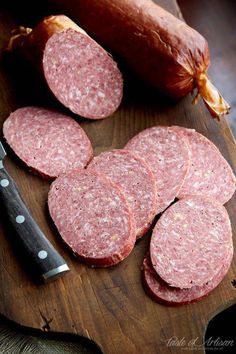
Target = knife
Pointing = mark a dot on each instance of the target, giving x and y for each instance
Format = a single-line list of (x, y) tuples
[(42, 256)]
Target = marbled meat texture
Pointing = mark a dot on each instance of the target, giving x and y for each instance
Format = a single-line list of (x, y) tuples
[(167, 153), (49, 142), (209, 173), (92, 217), (82, 75), (159, 291), (190, 242), (136, 181)]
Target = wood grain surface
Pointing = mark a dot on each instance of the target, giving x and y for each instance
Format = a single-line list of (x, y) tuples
[(107, 305)]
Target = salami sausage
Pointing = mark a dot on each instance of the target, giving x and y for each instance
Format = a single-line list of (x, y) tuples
[(79, 72), (190, 242), (160, 48), (92, 217), (209, 174), (167, 153), (159, 291), (136, 181), (48, 142)]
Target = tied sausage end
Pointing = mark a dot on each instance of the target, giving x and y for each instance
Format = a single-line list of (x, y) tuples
[(213, 100), (24, 37), (18, 36)]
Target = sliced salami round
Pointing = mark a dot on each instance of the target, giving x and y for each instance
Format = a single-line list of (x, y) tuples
[(167, 153), (159, 291), (209, 173), (82, 75), (92, 217), (49, 142), (190, 242), (136, 181)]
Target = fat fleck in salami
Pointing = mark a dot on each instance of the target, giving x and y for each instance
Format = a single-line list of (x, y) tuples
[(190, 242), (209, 173), (135, 179), (82, 75), (167, 153), (92, 217), (49, 142), (159, 291), (79, 72)]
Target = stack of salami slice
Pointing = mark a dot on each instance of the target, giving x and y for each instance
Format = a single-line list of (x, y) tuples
[(190, 252), (191, 246), (102, 205)]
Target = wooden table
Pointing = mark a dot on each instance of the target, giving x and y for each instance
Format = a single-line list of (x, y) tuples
[(108, 305)]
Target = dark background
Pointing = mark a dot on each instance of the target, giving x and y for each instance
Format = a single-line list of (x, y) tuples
[(216, 20)]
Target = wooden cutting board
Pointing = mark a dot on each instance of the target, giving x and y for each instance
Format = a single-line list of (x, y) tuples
[(107, 305)]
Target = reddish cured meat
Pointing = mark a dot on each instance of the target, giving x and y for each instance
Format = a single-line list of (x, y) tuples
[(136, 181), (159, 47), (79, 72), (190, 242), (48, 142), (92, 217), (159, 291), (82, 75), (167, 153), (209, 174)]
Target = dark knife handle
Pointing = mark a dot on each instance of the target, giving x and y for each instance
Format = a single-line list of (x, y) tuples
[(48, 264)]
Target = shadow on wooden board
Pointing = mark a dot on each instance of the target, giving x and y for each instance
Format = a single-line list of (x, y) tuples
[(16, 339), (220, 333)]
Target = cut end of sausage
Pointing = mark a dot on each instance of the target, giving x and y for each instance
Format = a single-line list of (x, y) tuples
[(82, 75), (213, 100)]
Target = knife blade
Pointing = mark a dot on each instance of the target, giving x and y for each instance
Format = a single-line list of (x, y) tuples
[(47, 262)]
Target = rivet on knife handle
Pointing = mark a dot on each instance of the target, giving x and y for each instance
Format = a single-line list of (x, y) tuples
[(42, 255)]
